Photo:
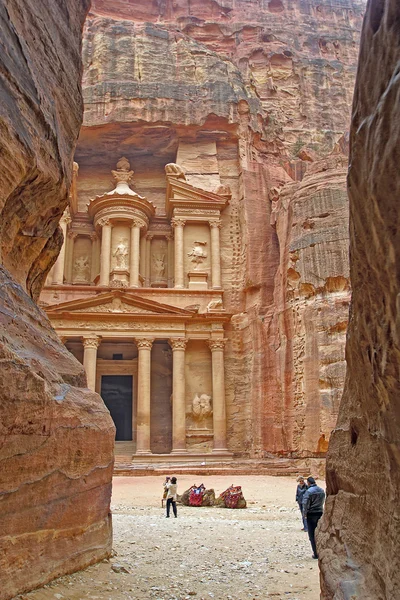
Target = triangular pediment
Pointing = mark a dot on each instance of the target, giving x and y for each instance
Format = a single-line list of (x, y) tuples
[(115, 303), (181, 194)]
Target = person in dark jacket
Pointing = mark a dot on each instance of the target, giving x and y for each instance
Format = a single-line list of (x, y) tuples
[(300, 491), (313, 506)]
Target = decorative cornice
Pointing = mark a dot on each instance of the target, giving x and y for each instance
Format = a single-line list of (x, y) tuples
[(178, 343)]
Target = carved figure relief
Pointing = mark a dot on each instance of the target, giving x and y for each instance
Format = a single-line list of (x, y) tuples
[(81, 269), (201, 407), (198, 254), (159, 266), (121, 255), (214, 305)]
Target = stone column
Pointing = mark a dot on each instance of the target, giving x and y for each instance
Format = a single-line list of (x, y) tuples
[(178, 346), (105, 256), (58, 274), (149, 237), (178, 225), (90, 345), (143, 397), (142, 261), (69, 256), (170, 259), (215, 226), (218, 386), (134, 256), (93, 264)]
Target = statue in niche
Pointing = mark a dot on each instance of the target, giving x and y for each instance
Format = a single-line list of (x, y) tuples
[(81, 268), (198, 253), (201, 407), (121, 255), (159, 266)]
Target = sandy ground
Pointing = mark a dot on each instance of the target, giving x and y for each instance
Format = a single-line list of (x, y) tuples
[(206, 553)]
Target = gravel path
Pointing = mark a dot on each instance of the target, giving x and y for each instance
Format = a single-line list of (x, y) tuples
[(206, 553)]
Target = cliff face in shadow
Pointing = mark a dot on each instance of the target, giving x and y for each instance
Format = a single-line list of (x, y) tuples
[(359, 534), (56, 447)]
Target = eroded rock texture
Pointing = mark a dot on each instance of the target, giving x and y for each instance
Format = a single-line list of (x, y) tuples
[(253, 94), (56, 437), (359, 535)]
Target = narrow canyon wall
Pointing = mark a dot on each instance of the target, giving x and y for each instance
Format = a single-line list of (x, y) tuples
[(56, 448), (359, 535), (267, 84)]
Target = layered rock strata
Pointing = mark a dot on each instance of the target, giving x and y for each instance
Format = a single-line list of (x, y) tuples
[(359, 535), (56, 448), (246, 94)]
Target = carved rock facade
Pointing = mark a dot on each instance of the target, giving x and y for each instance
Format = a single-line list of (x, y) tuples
[(239, 94)]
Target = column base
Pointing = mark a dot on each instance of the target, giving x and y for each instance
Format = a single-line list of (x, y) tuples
[(179, 287), (222, 451), (179, 451)]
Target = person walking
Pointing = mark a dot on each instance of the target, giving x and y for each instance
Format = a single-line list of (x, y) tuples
[(300, 491), (313, 506), (172, 489)]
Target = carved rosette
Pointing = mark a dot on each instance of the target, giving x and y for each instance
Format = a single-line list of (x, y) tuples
[(91, 342), (217, 344), (144, 343), (178, 343), (176, 222)]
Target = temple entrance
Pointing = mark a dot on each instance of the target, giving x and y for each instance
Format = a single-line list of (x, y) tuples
[(116, 391)]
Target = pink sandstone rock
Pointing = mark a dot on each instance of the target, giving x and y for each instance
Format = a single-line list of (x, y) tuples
[(359, 536), (270, 85), (56, 449)]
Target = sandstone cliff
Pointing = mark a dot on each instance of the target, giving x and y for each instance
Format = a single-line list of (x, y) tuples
[(56, 437), (359, 534), (252, 94)]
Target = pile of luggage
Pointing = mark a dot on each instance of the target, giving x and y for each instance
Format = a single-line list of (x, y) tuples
[(197, 495)]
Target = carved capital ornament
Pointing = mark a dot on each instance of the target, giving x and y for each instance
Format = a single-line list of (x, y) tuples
[(144, 343), (217, 344), (178, 343), (91, 342)]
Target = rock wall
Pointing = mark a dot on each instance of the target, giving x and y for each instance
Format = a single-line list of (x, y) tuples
[(268, 84), (359, 535), (56, 449)]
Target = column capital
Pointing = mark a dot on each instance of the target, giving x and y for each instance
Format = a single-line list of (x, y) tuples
[(178, 222), (169, 237), (178, 343), (92, 341), (94, 236), (144, 343), (72, 235), (149, 236), (215, 224), (217, 344), (137, 223), (104, 222)]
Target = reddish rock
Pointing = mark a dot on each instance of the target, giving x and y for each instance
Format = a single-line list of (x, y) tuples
[(269, 85), (56, 450), (358, 538)]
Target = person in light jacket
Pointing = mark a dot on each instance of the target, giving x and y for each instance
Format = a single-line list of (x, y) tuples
[(172, 489), (300, 491), (313, 506)]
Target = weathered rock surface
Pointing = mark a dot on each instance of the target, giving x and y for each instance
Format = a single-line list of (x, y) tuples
[(359, 535), (56, 447), (262, 91)]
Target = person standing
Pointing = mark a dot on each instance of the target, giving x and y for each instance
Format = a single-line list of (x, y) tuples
[(313, 506), (172, 488), (300, 491)]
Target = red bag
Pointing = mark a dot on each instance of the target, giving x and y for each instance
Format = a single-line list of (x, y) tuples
[(196, 495)]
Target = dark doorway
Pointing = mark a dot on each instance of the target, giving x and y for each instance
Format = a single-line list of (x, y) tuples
[(116, 391)]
